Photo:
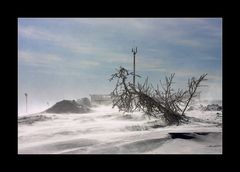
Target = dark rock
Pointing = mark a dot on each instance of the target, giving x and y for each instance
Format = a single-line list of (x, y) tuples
[(213, 107), (182, 135), (192, 135), (203, 133), (68, 106)]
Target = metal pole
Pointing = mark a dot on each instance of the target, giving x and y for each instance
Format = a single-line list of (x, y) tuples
[(134, 70), (26, 101), (134, 64)]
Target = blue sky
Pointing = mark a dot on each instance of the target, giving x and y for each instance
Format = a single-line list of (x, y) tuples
[(70, 58)]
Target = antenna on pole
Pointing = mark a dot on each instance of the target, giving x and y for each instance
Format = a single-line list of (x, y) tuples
[(134, 51), (26, 101)]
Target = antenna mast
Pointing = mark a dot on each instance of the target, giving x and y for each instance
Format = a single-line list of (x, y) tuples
[(134, 51)]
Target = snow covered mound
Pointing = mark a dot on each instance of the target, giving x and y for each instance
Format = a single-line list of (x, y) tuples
[(68, 106)]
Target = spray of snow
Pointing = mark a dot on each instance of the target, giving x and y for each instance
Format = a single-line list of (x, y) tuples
[(106, 130)]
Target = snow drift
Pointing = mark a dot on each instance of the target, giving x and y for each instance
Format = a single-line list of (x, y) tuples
[(104, 130)]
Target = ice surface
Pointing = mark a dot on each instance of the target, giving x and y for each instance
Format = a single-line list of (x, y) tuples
[(108, 131)]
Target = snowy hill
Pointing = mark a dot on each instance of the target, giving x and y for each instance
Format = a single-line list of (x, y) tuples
[(68, 106)]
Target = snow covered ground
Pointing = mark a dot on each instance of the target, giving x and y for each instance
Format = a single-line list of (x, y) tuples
[(107, 131)]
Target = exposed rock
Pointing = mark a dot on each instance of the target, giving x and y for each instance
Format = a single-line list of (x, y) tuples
[(213, 107), (68, 106), (182, 135), (187, 135)]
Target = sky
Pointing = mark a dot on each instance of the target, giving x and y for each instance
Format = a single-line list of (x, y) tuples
[(70, 58)]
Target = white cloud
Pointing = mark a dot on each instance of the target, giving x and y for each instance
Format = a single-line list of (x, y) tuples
[(35, 33), (53, 61), (76, 46), (63, 41), (137, 24), (38, 58)]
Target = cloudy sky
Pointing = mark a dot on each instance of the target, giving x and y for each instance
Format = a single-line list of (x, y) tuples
[(70, 58)]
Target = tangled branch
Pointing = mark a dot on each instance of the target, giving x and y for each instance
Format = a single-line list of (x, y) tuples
[(165, 103)]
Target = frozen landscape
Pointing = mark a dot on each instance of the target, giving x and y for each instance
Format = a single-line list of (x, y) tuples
[(107, 131), (166, 71)]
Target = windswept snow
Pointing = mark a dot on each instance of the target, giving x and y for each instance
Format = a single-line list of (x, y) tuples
[(107, 131)]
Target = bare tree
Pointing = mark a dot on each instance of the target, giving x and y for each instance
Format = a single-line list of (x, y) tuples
[(165, 103)]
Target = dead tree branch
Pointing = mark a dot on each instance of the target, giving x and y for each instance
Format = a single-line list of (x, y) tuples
[(165, 103)]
